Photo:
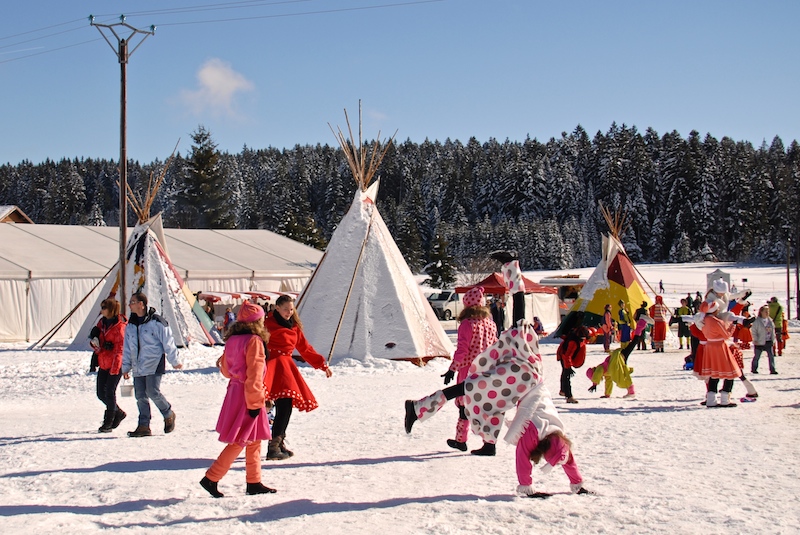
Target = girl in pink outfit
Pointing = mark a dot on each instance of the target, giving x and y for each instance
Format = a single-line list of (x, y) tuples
[(243, 422), (538, 432), (476, 332)]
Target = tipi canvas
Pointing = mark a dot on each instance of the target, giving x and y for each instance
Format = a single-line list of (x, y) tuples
[(614, 279), (150, 271), (362, 300)]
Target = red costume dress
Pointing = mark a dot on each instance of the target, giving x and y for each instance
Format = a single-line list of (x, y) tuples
[(717, 361), (283, 378)]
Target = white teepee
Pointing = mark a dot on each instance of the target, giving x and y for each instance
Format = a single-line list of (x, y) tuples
[(150, 271), (385, 314), (362, 300)]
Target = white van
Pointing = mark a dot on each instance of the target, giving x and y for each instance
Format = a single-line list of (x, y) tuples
[(446, 304)]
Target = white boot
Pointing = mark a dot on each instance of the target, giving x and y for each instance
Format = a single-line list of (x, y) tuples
[(751, 390), (711, 399), (725, 399)]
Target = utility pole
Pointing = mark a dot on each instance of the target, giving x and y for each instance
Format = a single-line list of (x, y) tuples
[(123, 55)]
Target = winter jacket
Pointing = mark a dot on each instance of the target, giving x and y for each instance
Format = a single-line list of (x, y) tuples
[(776, 313), (111, 335), (474, 336), (762, 334), (572, 350), (148, 340)]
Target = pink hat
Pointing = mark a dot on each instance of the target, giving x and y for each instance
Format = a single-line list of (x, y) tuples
[(250, 313), (474, 297), (590, 373)]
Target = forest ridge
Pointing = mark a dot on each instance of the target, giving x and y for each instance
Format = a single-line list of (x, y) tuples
[(449, 203)]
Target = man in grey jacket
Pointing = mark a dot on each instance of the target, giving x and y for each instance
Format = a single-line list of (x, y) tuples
[(148, 343)]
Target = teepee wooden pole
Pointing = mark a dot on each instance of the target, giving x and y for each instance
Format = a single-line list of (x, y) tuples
[(52, 332), (352, 283)]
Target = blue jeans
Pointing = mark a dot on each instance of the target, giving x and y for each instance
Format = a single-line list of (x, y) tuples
[(149, 386), (770, 356)]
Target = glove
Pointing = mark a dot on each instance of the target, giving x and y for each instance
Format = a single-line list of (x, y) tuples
[(448, 376), (571, 372), (525, 490), (254, 412), (95, 343), (108, 346), (593, 388)]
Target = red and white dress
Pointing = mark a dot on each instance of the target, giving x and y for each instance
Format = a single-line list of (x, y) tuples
[(717, 361), (283, 379)]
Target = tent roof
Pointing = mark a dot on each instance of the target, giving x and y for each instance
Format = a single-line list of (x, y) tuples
[(494, 284), (72, 251)]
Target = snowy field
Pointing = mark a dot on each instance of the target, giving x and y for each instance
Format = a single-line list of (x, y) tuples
[(661, 463)]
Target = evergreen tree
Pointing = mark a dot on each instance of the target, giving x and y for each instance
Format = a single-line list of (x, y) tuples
[(206, 192)]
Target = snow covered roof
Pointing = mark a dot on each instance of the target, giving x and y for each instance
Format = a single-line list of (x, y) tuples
[(71, 251), (12, 214)]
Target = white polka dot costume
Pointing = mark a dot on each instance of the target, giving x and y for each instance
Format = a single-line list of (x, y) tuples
[(497, 379), (512, 275)]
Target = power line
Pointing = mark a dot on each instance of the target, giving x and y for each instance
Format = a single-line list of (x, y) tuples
[(244, 4), (51, 50)]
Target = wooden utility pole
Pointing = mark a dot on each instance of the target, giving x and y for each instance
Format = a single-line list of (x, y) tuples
[(123, 55)]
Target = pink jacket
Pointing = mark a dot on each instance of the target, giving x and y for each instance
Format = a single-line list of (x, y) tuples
[(559, 453), (474, 336)]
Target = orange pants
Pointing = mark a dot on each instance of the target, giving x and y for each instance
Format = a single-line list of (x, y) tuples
[(252, 462)]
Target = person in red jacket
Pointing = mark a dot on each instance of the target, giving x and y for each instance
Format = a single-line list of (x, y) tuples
[(572, 352), (106, 339), (283, 381)]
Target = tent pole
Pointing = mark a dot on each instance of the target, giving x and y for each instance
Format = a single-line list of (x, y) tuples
[(52, 332), (352, 282)]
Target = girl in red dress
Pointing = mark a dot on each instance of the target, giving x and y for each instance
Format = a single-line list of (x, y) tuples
[(283, 381)]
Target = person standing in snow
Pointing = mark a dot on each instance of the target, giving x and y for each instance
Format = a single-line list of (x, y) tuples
[(571, 352), (242, 422), (642, 310), (624, 324), (659, 312), (496, 381), (148, 343), (283, 381), (476, 332), (717, 361), (776, 313), (608, 328), (763, 332), (107, 339)]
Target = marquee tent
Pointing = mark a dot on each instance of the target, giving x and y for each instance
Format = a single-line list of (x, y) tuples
[(46, 270)]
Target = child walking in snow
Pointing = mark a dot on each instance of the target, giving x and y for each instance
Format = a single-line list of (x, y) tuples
[(476, 332), (242, 422)]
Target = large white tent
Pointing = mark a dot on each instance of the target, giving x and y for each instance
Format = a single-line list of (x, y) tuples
[(46, 270)]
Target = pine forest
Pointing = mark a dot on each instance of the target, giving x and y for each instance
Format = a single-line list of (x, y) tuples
[(449, 203)]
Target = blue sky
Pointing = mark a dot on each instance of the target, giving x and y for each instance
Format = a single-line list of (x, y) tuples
[(284, 70)]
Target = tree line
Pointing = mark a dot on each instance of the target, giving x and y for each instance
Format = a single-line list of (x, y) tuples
[(449, 203)]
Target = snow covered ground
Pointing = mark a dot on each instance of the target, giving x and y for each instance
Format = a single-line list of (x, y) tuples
[(661, 463)]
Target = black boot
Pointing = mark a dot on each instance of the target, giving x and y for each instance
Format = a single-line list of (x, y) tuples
[(258, 488), (211, 487), (119, 415), (504, 257), (456, 445), (411, 415), (108, 422), (488, 450), (274, 452)]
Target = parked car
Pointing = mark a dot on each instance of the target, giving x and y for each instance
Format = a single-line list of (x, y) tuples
[(569, 287), (446, 304)]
